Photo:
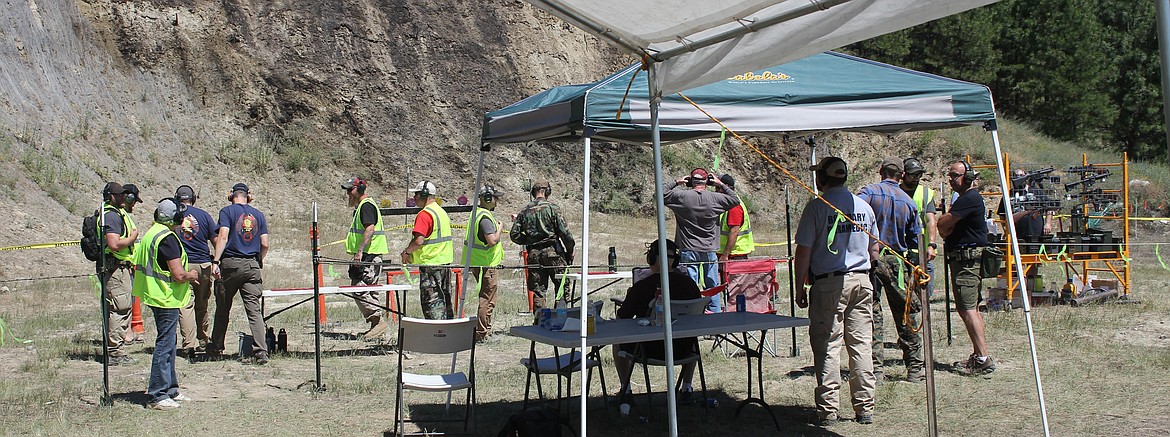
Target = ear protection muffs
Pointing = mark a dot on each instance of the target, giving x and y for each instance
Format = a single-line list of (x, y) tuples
[(106, 196), (194, 195), (233, 192), (424, 191), (547, 190), (360, 185), (131, 198), (969, 174), (180, 210), (672, 253)]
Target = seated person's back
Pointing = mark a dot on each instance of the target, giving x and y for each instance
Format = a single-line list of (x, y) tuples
[(639, 301)]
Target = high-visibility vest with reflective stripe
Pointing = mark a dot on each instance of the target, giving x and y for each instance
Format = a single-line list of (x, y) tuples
[(744, 243), (437, 248), (353, 241), (481, 254), (923, 195), (152, 284), (126, 253)]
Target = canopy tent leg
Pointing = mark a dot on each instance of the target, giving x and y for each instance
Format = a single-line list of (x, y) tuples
[(483, 149), (664, 277), (1015, 253), (585, 277)]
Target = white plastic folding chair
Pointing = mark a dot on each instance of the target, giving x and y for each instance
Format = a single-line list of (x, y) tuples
[(681, 357), (421, 336)]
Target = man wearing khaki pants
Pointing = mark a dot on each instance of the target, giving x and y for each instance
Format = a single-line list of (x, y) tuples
[(836, 254), (195, 232)]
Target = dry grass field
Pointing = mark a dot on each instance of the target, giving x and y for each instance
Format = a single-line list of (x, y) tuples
[(1103, 368)]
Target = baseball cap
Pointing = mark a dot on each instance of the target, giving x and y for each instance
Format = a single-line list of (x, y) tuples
[(352, 182), (185, 192), (114, 188), (892, 162), (425, 187), (911, 166), (699, 175), (488, 190), (133, 189), (166, 210), (541, 183), (727, 180), (241, 187), (831, 166)]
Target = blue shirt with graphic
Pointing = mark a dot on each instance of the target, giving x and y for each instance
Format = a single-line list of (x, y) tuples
[(245, 225), (194, 232), (897, 214)]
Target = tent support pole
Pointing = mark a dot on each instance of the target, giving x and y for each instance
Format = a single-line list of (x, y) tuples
[(585, 278), (664, 276), (483, 149), (1024, 293), (791, 273)]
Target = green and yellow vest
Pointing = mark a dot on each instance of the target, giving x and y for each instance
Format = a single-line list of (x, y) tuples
[(353, 241), (152, 284), (744, 243), (437, 248), (127, 253), (481, 254)]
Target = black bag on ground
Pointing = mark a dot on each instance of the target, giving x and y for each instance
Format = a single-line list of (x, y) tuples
[(990, 262), (91, 242), (533, 423)]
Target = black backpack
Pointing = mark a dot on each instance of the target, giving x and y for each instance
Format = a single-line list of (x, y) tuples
[(91, 241)]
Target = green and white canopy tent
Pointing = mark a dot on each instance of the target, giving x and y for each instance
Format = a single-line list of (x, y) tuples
[(687, 44), (824, 92)]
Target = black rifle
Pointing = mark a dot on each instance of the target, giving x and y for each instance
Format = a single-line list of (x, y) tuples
[(1035, 178), (1086, 181)]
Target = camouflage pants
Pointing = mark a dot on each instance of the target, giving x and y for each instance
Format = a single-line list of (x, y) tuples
[(435, 292), (538, 277), (893, 286), (367, 302)]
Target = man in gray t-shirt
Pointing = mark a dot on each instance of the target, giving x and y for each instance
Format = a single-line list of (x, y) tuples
[(696, 213), (835, 254)]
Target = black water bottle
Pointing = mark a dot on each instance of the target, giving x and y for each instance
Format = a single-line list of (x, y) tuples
[(612, 259), (282, 341), (270, 339)]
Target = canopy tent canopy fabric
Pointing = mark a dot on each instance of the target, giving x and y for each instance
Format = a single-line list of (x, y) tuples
[(697, 42), (823, 92)]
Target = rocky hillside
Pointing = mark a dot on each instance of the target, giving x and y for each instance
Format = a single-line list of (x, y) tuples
[(293, 96)]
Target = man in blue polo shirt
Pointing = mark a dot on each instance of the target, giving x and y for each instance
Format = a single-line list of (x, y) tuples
[(240, 247), (195, 232)]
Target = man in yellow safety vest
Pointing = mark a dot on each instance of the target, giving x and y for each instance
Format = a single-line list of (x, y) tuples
[(486, 254), (432, 251), (117, 227), (366, 242), (735, 229)]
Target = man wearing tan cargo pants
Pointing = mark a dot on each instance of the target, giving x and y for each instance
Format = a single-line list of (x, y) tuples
[(835, 254)]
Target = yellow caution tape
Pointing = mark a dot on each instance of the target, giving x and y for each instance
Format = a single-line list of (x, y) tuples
[(782, 243), (42, 245)]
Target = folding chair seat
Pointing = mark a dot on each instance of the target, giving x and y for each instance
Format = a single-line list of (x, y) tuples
[(436, 337), (756, 281), (640, 357)]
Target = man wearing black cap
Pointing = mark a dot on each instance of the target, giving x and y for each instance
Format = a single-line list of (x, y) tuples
[(834, 255), (240, 247), (196, 232), (120, 233), (897, 223), (366, 243), (696, 213), (924, 198)]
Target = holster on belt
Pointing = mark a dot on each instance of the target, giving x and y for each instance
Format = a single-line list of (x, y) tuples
[(966, 253)]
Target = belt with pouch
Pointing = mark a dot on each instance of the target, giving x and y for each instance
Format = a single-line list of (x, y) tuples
[(542, 245), (832, 274)]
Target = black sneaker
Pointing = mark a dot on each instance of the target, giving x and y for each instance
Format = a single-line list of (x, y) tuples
[(864, 419)]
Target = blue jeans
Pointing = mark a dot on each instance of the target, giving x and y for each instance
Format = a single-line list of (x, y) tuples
[(706, 275), (164, 380)]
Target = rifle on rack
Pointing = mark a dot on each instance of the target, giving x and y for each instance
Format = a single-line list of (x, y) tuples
[(1087, 180), (1035, 178)]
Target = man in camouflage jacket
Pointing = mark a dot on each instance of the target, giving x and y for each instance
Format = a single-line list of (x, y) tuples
[(541, 229)]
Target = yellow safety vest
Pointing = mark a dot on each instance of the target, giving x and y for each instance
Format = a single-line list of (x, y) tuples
[(437, 248), (923, 195), (126, 253), (744, 243), (481, 254), (152, 284), (353, 241)]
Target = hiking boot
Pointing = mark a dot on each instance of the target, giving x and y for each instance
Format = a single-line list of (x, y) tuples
[(378, 327), (119, 360), (972, 367), (864, 419), (915, 375), (165, 404), (826, 421), (260, 358)]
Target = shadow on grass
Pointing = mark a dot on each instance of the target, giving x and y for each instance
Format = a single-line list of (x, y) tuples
[(693, 419)]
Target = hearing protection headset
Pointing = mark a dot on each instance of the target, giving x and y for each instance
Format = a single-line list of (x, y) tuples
[(194, 196), (359, 184), (488, 193), (547, 185), (425, 191), (232, 194), (969, 174), (672, 253), (106, 195), (180, 209)]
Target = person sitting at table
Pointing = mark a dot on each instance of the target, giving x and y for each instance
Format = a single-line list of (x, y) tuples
[(639, 302)]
